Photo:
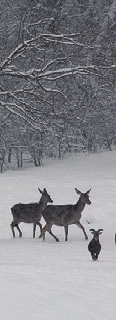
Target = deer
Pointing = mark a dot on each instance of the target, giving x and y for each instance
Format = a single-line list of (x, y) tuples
[(30, 213), (94, 246), (65, 215)]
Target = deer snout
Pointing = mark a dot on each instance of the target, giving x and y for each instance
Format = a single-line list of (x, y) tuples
[(50, 200), (89, 202)]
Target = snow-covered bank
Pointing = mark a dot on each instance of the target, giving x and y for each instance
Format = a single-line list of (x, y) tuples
[(59, 280)]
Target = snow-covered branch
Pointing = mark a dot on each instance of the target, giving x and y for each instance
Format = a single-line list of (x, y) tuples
[(34, 74)]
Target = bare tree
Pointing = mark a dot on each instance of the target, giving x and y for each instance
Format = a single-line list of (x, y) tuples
[(57, 65)]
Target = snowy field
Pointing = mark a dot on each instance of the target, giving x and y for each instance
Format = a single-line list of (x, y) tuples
[(59, 281)]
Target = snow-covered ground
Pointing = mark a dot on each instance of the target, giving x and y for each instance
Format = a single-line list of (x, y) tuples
[(59, 281)]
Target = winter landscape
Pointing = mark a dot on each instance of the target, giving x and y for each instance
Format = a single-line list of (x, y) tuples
[(58, 131), (50, 280)]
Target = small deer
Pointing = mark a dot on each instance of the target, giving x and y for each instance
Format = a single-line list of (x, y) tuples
[(29, 213), (65, 215), (94, 246)]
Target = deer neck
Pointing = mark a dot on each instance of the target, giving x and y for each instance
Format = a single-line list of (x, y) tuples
[(80, 206), (42, 205)]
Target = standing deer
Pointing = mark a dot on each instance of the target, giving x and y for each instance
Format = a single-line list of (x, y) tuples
[(29, 213), (65, 215), (94, 246)]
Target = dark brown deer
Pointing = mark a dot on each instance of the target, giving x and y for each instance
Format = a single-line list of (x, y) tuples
[(65, 215), (94, 246), (29, 213)]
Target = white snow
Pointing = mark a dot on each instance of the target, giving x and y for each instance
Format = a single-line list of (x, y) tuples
[(59, 281)]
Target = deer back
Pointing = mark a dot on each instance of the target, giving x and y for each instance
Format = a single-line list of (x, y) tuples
[(62, 215), (31, 212)]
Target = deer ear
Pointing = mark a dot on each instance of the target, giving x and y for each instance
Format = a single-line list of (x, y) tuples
[(100, 231), (92, 231), (40, 191), (88, 191), (44, 190), (77, 191)]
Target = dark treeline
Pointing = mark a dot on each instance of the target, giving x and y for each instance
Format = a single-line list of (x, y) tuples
[(57, 78)]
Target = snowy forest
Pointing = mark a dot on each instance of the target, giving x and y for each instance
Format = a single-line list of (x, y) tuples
[(57, 79)]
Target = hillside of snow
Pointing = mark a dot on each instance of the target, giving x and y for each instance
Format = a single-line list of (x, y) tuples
[(59, 281)]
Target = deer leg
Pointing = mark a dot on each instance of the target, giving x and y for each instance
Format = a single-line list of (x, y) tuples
[(66, 232), (34, 229), (12, 228), (53, 235), (48, 229), (82, 228), (20, 233), (44, 231), (39, 224), (14, 224)]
